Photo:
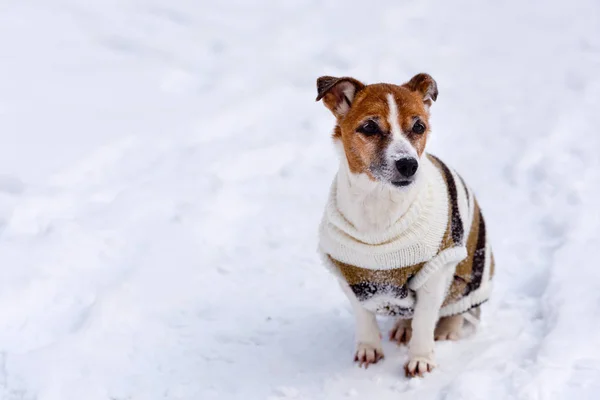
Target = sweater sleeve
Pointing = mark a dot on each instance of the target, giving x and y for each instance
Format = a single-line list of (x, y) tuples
[(447, 257)]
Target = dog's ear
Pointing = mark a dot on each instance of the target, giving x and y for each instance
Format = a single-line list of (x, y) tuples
[(426, 86), (337, 93)]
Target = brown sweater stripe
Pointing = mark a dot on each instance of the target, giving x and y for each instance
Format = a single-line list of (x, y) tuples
[(457, 225), (478, 256), (464, 268), (365, 283)]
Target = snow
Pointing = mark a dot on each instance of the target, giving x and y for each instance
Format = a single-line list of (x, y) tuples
[(164, 167)]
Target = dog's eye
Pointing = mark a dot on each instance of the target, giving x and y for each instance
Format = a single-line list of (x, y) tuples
[(418, 127), (369, 128)]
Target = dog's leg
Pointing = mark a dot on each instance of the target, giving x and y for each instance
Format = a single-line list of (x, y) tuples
[(449, 328), (368, 337), (430, 297), (402, 331)]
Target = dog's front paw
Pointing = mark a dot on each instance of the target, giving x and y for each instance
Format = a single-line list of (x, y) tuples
[(418, 366), (401, 332), (367, 354)]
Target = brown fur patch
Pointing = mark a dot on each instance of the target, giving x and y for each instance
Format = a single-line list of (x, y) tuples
[(337, 93), (425, 85), (353, 103), (371, 103)]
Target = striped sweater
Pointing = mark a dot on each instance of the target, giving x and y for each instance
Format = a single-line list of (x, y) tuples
[(443, 227)]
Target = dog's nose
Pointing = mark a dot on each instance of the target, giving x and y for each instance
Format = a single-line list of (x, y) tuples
[(407, 167)]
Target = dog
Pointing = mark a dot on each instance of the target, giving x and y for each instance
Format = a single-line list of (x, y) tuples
[(401, 230)]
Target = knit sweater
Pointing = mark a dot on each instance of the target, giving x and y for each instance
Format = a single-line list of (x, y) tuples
[(443, 228)]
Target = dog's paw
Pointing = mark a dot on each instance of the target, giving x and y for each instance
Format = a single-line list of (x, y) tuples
[(449, 328), (401, 332), (367, 354), (418, 366)]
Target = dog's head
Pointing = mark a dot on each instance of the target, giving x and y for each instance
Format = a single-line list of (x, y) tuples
[(383, 128)]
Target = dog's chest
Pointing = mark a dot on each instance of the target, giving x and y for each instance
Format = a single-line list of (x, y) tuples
[(443, 228)]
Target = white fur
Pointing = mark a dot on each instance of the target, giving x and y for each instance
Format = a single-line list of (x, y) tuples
[(400, 147), (393, 118), (430, 297), (349, 91), (421, 347), (367, 331), (370, 205), (427, 100)]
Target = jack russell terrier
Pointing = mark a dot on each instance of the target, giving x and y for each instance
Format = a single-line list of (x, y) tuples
[(402, 232)]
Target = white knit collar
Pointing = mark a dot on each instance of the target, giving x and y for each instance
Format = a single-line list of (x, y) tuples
[(413, 238), (416, 218)]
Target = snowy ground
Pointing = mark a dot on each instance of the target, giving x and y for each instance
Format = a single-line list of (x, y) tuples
[(163, 168)]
